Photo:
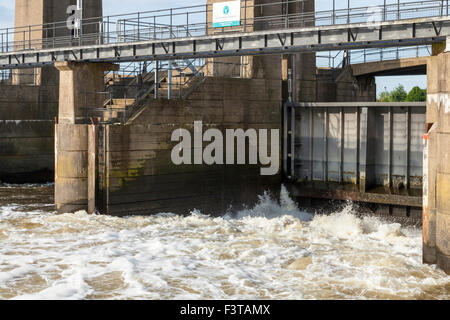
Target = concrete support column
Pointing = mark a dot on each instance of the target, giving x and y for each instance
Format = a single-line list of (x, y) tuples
[(71, 167), (75, 140), (436, 216), (92, 167), (80, 87), (429, 195), (75, 167)]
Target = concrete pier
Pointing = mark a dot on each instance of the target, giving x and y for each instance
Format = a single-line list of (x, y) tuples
[(436, 213), (75, 139)]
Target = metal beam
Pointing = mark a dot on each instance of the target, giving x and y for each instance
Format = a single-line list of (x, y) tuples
[(358, 104), (324, 38)]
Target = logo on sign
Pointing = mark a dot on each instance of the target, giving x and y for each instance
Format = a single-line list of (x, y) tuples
[(226, 14)]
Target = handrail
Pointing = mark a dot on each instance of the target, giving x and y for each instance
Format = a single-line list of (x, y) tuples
[(380, 54), (188, 81), (192, 20)]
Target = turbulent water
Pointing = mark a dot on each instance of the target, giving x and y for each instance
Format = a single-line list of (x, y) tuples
[(271, 251)]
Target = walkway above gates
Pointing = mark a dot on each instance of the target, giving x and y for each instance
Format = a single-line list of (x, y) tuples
[(184, 33)]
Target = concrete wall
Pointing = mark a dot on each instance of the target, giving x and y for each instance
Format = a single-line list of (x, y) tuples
[(436, 215), (137, 176), (339, 85), (26, 132)]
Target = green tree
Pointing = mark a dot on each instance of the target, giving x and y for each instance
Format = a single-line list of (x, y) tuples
[(398, 94), (416, 95), (385, 97)]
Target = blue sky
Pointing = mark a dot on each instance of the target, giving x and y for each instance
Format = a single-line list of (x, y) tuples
[(111, 7)]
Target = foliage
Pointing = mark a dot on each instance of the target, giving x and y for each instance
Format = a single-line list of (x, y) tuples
[(399, 95), (417, 95)]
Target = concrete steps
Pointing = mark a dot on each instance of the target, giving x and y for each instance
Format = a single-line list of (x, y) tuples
[(123, 102), (118, 103), (119, 109), (117, 79)]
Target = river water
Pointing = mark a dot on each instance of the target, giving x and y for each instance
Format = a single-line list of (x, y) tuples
[(271, 251)]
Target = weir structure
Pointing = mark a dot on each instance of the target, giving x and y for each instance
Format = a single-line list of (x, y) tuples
[(113, 136)]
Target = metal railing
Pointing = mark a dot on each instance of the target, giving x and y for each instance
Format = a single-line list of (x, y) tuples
[(194, 21), (399, 10), (184, 72), (126, 71), (93, 106), (137, 92), (337, 59), (6, 76), (26, 76), (185, 81), (176, 79)]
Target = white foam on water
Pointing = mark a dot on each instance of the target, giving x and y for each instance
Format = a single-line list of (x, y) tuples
[(268, 208), (270, 251), (25, 185)]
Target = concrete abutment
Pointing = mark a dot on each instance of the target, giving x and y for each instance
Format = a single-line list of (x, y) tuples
[(436, 212)]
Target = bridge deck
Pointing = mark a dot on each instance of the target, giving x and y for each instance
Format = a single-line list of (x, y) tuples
[(353, 36), (405, 66), (428, 23)]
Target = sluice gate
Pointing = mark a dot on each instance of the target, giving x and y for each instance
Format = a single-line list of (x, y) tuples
[(367, 152)]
